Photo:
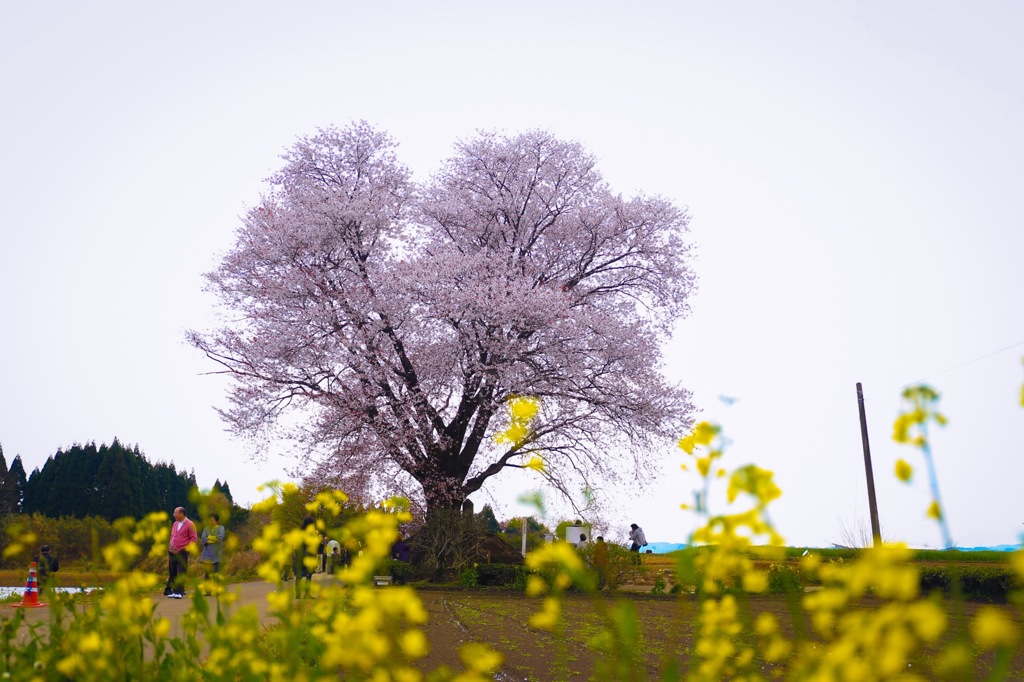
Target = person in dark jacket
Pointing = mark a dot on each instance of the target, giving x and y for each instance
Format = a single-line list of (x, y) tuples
[(46, 566), (303, 573)]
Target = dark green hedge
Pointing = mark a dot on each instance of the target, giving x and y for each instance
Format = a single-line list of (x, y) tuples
[(501, 575), (400, 571), (991, 584)]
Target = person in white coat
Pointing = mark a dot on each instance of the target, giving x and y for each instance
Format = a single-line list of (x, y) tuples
[(636, 537)]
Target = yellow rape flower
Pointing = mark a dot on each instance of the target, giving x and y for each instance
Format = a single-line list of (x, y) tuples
[(535, 586), (955, 661), (522, 410), (778, 649), (414, 644), (754, 480), (901, 428), (266, 505), (70, 665), (549, 615), (992, 628), (755, 581), (766, 624), (21, 540), (935, 511), (536, 463), (480, 657), (161, 628), (904, 471), (90, 643), (515, 433), (702, 434), (929, 620), (1017, 561)]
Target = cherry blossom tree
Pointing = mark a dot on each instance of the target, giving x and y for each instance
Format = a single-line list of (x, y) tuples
[(385, 324)]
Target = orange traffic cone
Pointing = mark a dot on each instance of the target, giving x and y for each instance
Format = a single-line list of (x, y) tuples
[(30, 600)]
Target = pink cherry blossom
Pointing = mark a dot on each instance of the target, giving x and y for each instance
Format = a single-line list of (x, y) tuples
[(383, 325)]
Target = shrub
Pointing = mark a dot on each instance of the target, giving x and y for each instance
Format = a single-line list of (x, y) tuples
[(501, 575), (241, 565), (783, 579), (467, 577), (448, 542), (74, 541), (400, 571), (618, 566), (659, 586), (989, 584)]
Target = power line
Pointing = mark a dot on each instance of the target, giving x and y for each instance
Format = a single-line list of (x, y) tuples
[(969, 362)]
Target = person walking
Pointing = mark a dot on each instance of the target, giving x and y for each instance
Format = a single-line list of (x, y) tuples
[(636, 537), (183, 534), (302, 571), (46, 566), (333, 555), (212, 542), (400, 550), (601, 562)]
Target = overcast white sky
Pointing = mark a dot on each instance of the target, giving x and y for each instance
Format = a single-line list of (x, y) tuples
[(854, 172)]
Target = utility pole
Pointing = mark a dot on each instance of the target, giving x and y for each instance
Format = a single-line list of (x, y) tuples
[(876, 531)]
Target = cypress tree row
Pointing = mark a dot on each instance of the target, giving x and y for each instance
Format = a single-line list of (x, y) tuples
[(109, 481)]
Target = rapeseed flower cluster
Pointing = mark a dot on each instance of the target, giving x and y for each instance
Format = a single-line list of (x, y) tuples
[(725, 562), (350, 630), (555, 567), (521, 411), (911, 428), (867, 621), (862, 639)]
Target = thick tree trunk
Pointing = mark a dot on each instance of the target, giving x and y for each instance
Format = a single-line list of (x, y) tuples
[(444, 532), (443, 493)]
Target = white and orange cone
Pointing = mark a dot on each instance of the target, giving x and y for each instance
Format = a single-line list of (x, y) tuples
[(30, 600)]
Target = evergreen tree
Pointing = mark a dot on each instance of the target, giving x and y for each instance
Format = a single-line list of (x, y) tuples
[(17, 476), (150, 497), (189, 484), (110, 481), (113, 498), (489, 519), (224, 488), (30, 503), (9, 493), (137, 466), (17, 470)]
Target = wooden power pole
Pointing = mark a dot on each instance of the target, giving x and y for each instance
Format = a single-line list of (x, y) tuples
[(876, 531)]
